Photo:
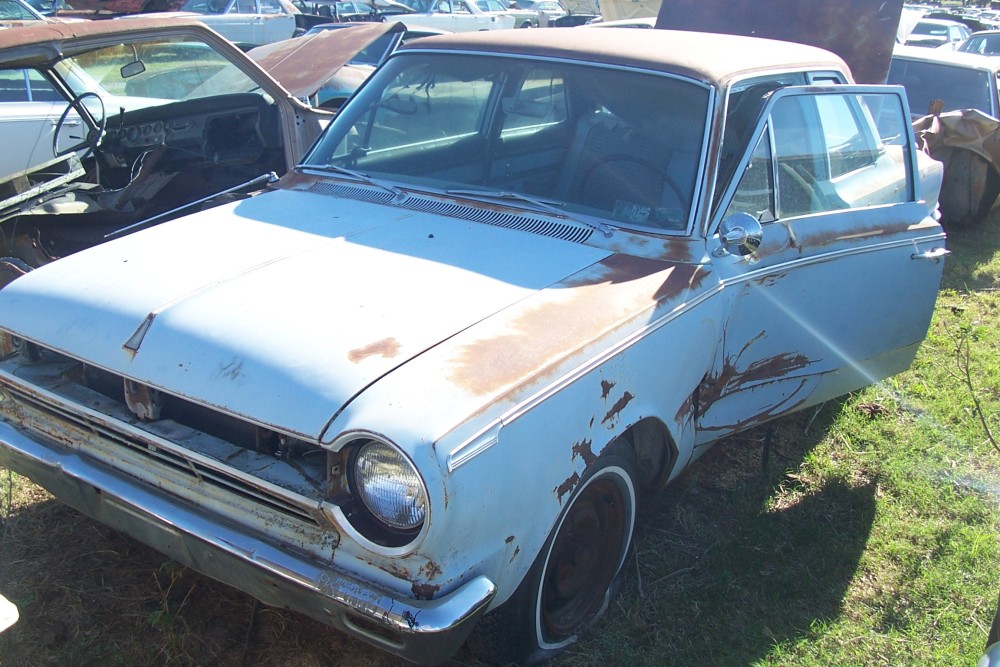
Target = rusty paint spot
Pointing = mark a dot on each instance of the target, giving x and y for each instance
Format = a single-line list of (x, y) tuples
[(618, 407), (583, 450), (387, 348), (732, 378), (686, 409), (424, 591), (606, 388), (517, 550), (591, 424), (510, 538), (567, 486), (392, 569), (566, 317), (430, 569)]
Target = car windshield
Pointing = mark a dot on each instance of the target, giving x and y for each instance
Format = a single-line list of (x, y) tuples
[(153, 72), (623, 146), (933, 29), (987, 45), (956, 86)]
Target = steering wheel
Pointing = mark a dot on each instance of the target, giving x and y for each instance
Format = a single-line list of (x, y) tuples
[(806, 182), (93, 138)]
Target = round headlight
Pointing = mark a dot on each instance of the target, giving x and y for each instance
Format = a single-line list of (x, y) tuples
[(389, 486)]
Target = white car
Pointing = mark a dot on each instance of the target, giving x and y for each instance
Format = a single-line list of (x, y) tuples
[(455, 16), (937, 33), (30, 108), (244, 22), (419, 388)]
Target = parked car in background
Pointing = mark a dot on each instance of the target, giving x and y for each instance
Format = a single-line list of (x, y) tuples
[(984, 43), (523, 18), (936, 33), (17, 12), (550, 8), (246, 23), (30, 110), (139, 118), (455, 16), (943, 80), (418, 389), (353, 10)]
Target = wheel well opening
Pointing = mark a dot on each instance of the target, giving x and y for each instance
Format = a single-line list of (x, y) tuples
[(655, 452)]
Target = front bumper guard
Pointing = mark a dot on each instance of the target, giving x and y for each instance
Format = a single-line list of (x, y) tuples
[(423, 631)]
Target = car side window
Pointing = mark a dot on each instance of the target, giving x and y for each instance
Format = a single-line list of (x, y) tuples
[(822, 153), (243, 7), (271, 7), (755, 193)]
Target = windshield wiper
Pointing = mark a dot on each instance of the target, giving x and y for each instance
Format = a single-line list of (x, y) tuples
[(542, 204), (357, 175)]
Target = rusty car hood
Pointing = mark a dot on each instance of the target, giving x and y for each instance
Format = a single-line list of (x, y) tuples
[(303, 64), (322, 303), (861, 32)]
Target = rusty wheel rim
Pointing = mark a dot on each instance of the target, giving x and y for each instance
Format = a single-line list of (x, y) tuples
[(585, 557)]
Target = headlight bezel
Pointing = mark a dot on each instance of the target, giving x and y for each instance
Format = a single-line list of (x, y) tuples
[(365, 519)]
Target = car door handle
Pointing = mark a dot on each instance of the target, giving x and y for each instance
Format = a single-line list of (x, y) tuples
[(67, 123), (934, 254)]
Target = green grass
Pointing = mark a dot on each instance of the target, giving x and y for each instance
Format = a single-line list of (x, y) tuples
[(870, 537)]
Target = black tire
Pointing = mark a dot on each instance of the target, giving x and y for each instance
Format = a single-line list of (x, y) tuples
[(576, 574)]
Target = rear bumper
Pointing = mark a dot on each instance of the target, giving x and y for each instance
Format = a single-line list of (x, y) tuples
[(426, 632)]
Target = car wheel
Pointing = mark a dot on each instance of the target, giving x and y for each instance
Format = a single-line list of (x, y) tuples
[(576, 574), (527, 24)]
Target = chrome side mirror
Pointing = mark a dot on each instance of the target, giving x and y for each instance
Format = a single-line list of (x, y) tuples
[(740, 233)]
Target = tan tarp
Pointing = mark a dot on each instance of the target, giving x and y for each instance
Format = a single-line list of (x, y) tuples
[(967, 142)]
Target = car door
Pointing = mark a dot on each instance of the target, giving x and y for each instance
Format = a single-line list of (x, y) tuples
[(837, 290)]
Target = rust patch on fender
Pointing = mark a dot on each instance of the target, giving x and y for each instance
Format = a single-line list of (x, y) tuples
[(387, 348), (584, 451), (517, 550), (567, 486), (510, 538), (606, 388), (617, 407), (424, 591), (393, 569), (430, 569), (565, 317)]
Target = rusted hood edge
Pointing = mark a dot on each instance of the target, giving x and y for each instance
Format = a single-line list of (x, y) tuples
[(303, 64)]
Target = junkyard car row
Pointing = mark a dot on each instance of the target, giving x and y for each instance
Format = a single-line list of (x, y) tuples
[(418, 387)]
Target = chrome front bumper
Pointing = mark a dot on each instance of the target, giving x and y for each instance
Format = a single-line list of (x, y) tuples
[(426, 632)]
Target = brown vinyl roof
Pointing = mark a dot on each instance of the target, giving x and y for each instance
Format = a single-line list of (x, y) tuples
[(708, 57)]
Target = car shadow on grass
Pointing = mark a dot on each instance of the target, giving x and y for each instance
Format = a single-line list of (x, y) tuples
[(736, 557)]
